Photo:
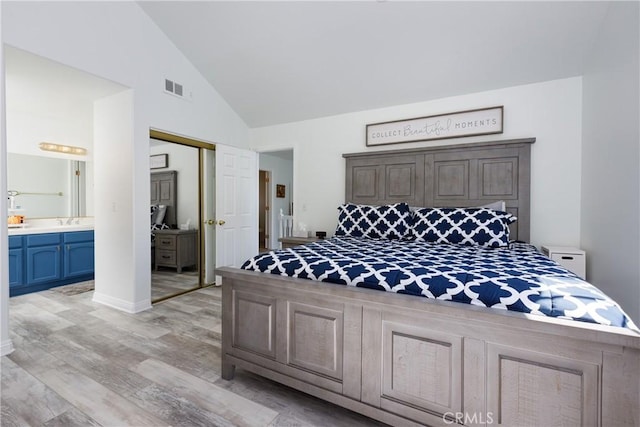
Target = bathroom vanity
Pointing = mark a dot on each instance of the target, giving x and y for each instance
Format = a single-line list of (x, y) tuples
[(40, 259)]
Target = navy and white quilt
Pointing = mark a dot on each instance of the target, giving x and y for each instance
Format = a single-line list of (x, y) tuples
[(517, 277)]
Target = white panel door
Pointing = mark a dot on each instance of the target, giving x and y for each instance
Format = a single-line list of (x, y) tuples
[(236, 205)]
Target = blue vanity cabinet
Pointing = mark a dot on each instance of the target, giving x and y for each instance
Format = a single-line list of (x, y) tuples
[(44, 258), (78, 254), (16, 262)]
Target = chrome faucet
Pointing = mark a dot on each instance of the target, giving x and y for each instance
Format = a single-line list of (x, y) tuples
[(59, 221), (70, 220)]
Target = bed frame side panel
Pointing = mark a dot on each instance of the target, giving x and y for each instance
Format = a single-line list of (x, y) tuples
[(406, 361)]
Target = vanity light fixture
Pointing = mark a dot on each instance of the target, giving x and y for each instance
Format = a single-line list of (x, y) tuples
[(66, 149)]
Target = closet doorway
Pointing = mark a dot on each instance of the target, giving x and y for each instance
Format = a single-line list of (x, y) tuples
[(182, 180)]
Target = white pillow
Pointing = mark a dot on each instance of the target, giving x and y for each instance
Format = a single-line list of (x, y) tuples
[(500, 205), (158, 213)]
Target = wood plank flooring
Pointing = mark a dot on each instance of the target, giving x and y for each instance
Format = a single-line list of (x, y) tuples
[(78, 363), (167, 282)]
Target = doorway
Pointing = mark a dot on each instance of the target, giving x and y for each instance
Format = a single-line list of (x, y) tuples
[(264, 216), (278, 191), (182, 183)]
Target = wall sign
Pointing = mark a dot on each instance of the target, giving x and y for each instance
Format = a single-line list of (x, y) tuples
[(482, 121), (158, 161)]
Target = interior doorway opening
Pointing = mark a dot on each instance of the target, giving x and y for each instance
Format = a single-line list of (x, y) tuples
[(278, 192), (182, 179), (264, 206)]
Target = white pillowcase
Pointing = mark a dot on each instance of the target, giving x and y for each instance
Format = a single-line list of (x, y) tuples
[(500, 205)]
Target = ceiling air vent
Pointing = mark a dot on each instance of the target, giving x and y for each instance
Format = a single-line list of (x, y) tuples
[(173, 88)]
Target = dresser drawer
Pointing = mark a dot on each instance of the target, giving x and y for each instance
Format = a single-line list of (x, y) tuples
[(43, 239), (78, 236), (572, 262), (165, 258), (15, 242), (165, 242)]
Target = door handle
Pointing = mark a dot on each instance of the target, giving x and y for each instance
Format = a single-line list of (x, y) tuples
[(210, 222), (222, 222)]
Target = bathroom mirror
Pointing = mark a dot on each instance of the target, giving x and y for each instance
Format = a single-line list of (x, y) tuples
[(47, 187)]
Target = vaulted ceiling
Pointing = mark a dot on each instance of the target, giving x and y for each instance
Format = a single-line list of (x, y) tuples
[(278, 62)]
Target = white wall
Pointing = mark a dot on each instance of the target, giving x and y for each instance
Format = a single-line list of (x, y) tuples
[(549, 111), (6, 346), (119, 42), (281, 173), (25, 131), (72, 126), (183, 160), (115, 256), (611, 157)]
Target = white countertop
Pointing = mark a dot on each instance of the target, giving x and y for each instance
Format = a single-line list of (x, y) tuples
[(52, 229)]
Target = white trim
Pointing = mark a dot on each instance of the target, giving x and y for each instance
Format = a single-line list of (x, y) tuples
[(122, 305), (6, 348)]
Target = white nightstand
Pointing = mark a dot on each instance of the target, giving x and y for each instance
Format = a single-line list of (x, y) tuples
[(573, 259), (289, 242)]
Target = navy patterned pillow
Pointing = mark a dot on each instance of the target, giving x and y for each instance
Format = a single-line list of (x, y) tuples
[(464, 226), (378, 222)]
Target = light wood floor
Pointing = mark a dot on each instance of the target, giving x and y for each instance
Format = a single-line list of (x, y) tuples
[(167, 282), (78, 363)]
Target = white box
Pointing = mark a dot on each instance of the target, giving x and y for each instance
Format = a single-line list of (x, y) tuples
[(573, 259)]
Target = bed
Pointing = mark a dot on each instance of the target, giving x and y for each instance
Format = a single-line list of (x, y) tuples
[(408, 360), (164, 200)]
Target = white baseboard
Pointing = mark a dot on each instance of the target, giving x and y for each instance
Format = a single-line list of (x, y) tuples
[(120, 304), (6, 347)]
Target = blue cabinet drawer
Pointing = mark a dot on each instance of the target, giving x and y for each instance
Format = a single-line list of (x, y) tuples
[(78, 236), (43, 239), (15, 242)]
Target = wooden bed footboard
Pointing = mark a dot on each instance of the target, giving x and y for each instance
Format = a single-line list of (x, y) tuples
[(412, 361)]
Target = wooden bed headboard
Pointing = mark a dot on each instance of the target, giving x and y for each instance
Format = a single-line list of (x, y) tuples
[(164, 189), (465, 175)]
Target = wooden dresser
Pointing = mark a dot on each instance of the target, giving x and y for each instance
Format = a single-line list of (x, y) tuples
[(176, 249)]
